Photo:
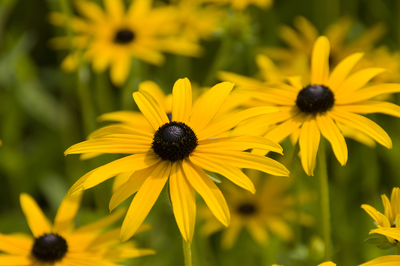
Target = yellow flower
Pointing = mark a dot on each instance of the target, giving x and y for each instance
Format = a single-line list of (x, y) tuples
[(328, 263), (61, 244), (112, 37), (178, 150), (311, 108), (391, 260), (269, 210), (391, 216)]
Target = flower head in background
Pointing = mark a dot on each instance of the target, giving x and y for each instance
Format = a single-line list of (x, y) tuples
[(241, 5), (112, 37), (178, 150), (270, 210), (314, 107), (61, 244), (391, 216)]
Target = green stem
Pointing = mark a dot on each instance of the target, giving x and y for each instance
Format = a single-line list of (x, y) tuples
[(187, 252), (325, 209), (398, 249)]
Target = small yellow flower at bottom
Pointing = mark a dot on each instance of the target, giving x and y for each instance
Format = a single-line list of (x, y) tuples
[(328, 263), (391, 260), (61, 244)]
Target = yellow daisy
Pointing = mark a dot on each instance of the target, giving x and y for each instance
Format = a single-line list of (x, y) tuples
[(391, 216), (178, 151), (391, 260), (61, 244), (112, 37), (311, 108), (269, 210)]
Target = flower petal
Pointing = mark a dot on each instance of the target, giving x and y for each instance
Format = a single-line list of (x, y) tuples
[(281, 131), (373, 213), (10, 260), (183, 201), (211, 102), (389, 232), (208, 191), (363, 124), (66, 213), (150, 109), (388, 209), (232, 173), (358, 80), (123, 132), (101, 223), (367, 93), (115, 9), (120, 67), (309, 142), (37, 221), (332, 133), (369, 107), (16, 244), (145, 199), (157, 93), (320, 62), (342, 70), (130, 187), (111, 145), (383, 261), (181, 100)]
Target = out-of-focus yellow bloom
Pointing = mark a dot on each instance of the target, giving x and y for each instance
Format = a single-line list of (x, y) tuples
[(242, 4), (391, 216), (328, 263), (113, 36), (391, 260), (61, 244), (271, 209)]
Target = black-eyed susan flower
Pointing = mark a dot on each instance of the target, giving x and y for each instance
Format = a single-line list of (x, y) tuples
[(391, 216), (391, 260), (270, 210), (314, 107), (61, 244), (113, 36), (177, 151)]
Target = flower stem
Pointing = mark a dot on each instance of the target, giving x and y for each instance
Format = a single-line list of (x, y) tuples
[(397, 249), (187, 252), (325, 209)]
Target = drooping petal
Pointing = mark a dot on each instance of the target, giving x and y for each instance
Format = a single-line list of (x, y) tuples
[(332, 133), (363, 124), (369, 107), (228, 171), (66, 213), (37, 221), (320, 62), (181, 100), (367, 93), (342, 70), (130, 163), (309, 142), (373, 213), (183, 201), (16, 244), (130, 187), (145, 199), (211, 102), (208, 191), (387, 231), (383, 261), (150, 109)]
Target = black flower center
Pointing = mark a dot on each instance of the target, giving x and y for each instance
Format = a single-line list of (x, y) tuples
[(49, 248), (315, 99), (174, 141), (124, 36), (247, 209)]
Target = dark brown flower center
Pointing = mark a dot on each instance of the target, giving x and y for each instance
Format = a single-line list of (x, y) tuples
[(49, 248), (247, 209), (174, 141), (315, 99), (124, 36)]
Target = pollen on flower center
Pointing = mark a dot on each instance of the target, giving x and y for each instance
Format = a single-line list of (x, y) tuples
[(247, 209), (315, 99), (49, 248), (124, 36), (174, 141)]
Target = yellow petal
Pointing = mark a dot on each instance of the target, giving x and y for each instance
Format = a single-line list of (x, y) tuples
[(90, 10), (390, 260), (257, 231), (320, 62), (157, 93), (101, 223), (183, 201), (145, 199), (16, 244), (232, 173), (373, 213), (37, 221), (122, 131), (367, 93), (130, 187), (115, 9), (332, 133), (150, 109), (181, 100), (395, 201), (369, 107), (210, 104), (10, 260), (120, 67), (111, 145), (388, 209), (208, 191), (362, 124), (66, 213), (309, 142), (342, 70), (389, 232), (230, 234), (358, 80), (281, 131)]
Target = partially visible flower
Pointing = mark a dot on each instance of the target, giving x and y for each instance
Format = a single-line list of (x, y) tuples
[(61, 244), (112, 37), (270, 210), (177, 150), (328, 263), (312, 107), (242, 4), (391, 216), (391, 260)]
